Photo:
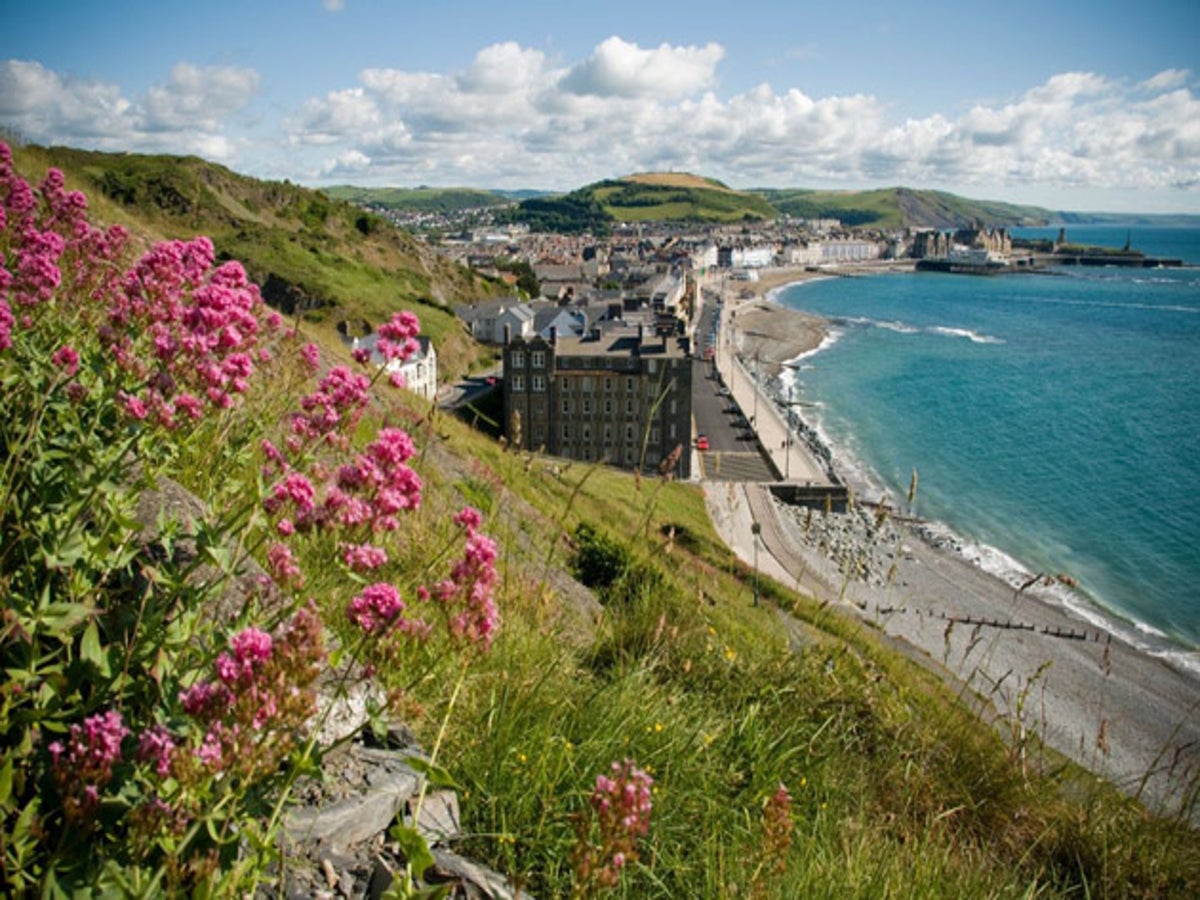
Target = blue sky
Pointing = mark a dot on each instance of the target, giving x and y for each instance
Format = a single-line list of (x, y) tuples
[(1070, 105)]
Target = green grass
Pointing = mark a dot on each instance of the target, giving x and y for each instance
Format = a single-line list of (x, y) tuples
[(899, 789)]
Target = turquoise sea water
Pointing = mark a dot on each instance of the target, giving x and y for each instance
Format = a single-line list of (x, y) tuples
[(1054, 420)]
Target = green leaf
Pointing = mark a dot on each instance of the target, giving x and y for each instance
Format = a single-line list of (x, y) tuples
[(438, 776), (91, 650), (413, 846), (63, 617), (6, 777)]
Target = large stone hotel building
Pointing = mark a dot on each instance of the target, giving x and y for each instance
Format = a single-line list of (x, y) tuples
[(620, 395)]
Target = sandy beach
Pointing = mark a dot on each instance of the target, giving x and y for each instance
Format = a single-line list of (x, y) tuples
[(1025, 660)]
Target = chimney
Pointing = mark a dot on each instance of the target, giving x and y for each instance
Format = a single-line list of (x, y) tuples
[(507, 334), (553, 335)]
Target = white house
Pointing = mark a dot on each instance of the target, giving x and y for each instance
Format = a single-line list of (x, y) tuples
[(419, 370)]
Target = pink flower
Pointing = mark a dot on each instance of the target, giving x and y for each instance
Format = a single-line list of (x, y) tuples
[(133, 405), (311, 354), (363, 557), (379, 609), (468, 518), (283, 565), (67, 359), (156, 745), (84, 765), (472, 585), (6, 318)]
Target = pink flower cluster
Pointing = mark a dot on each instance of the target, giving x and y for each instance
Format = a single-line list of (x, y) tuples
[(379, 609), (398, 337), (262, 695), (622, 805), (182, 329), (84, 765), (201, 324), (366, 494), (330, 413), (777, 827), (472, 584)]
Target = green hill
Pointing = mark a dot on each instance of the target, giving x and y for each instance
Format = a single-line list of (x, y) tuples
[(648, 197), (313, 254), (902, 208), (420, 199)]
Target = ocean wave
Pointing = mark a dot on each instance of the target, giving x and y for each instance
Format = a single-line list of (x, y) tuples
[(831, 337), (973, 336)]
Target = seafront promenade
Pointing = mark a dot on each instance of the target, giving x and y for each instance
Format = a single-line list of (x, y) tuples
[(746, 367)]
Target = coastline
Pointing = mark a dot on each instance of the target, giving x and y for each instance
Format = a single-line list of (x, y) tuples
[(1022, 655)]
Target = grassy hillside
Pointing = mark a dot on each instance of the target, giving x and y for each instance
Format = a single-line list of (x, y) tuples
[(678, 197), (422, 199), (902, 208), (312, 254), (646, 197)]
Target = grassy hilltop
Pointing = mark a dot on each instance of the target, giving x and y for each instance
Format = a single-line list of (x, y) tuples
[(627, 631)]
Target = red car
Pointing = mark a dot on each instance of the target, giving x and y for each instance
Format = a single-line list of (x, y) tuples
[(702, 442)]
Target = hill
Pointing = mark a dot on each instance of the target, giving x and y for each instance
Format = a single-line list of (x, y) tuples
[(645, 197), (902, 208), (314, 255), (419, 199)]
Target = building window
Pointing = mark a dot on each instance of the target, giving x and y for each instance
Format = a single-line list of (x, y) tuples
[(539, 432), (518, 359), (566, 383), (655, 436), (518, 383), (608, 385), (628, 432), (651, 365), (608, 407), (537, 359), (566, 404), (629, 385), (608, 434), (566, 431), (587, 406), (671, 431), (587, 384), (629, 407), (587, 433), (539, 383)]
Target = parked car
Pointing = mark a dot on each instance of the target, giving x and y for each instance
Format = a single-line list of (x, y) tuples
[(702, 442)]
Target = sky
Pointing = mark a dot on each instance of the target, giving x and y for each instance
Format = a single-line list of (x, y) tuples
[(1085, 105)]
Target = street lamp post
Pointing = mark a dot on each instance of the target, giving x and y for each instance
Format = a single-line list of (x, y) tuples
[(756, 530), (787, 447)]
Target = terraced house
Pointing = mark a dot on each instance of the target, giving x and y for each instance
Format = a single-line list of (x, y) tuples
[(621, 394)]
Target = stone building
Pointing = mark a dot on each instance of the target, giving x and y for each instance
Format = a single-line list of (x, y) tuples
[(621, 395), (997, 242)]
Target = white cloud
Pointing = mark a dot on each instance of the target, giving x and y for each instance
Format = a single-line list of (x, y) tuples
[(198, 99), (350, 163), (620, 69), (515, 117), (185, 114), (333, 5)]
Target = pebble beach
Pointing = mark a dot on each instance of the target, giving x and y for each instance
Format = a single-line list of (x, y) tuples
[(1023, 657)]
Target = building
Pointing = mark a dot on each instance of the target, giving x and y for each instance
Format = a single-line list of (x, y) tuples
[(621, 395), (419, 371), (488, 319)]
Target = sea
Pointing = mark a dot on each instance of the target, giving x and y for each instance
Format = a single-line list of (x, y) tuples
[(1052, 420)]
